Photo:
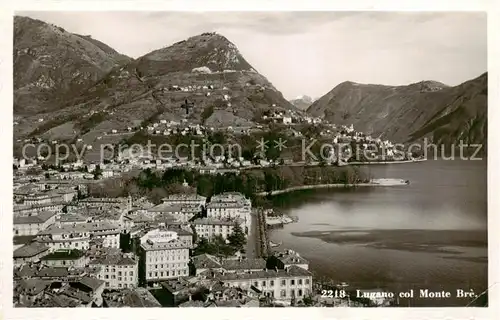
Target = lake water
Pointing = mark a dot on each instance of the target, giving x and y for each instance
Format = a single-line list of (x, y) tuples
[(431, 234)]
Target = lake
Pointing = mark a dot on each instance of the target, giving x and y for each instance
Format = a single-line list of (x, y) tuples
[(430, 234)]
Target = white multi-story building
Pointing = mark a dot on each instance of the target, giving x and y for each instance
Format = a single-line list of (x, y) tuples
[(291, 283), (230, 206), (287, 120), (102, 203), (118, 271), (42, 198), (209, 228), (32, 224), (24, 210), (185, 199), (78, 235), (164, 255)]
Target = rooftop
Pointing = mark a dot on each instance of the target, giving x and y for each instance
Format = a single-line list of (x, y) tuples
[(31, 286), (211, 221), (133, 298), (40, 217), (91, 283), (184, 197), (244, 264), (119, 260), (291, 257), (292, 271), (206, 261), (64, 255), (48, 272), (23, 239), (176, 285), (174, 244), (103, 200), (23, 207), (233, 204), (80, 227), (192, 304), (166, 207), (30, 250), (71, 217)]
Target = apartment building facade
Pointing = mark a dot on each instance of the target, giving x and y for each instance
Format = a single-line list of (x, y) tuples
[(163, 255)]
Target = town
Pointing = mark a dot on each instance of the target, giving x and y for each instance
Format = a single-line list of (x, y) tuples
[(72, 249)]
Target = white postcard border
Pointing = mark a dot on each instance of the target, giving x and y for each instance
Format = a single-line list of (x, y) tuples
[(6, 25)]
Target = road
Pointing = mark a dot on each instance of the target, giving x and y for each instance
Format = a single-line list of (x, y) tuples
[(252, 237)]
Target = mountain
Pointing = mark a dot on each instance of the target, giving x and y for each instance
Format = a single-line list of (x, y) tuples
[(51, 64), (206, 70), (302, 102), (427, 109), (464, 120)]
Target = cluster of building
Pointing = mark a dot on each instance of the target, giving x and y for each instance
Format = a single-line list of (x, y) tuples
[(71, 250), (367, 147), (290, 117), (237, 282)]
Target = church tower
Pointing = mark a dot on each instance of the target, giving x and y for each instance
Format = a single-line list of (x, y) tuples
[(129, 203)]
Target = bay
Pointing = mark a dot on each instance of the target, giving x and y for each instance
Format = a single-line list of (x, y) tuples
[(430, 234)]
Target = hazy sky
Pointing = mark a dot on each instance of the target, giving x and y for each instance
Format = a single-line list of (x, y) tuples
[(309, 52)]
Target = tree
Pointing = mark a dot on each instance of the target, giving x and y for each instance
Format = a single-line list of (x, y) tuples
[(125, 242), (308, 301), (237, 239), (217, 137), (97, 172), (204, 246), (195, 234), (207, 112)]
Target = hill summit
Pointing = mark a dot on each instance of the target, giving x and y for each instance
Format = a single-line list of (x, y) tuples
[(209, 52), (52, 64)]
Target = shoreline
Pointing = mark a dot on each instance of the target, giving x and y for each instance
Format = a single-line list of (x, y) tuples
[(359, 163), (345, 164), (372, 183)]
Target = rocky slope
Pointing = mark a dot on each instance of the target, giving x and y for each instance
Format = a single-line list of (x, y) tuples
[(407, 113), (51, 64), (206, 70), (302, 102), (464, 120)]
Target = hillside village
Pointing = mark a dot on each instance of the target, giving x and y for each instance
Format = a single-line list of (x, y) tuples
[(127, 157)]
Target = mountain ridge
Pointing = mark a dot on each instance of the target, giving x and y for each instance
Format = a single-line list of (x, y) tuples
[(206, 69), (393, 112)]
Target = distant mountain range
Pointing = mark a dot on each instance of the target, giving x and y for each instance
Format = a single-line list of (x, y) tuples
[(426, 109), (302, 102)]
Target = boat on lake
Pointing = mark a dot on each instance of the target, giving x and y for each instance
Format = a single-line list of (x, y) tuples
[(274, 245)]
